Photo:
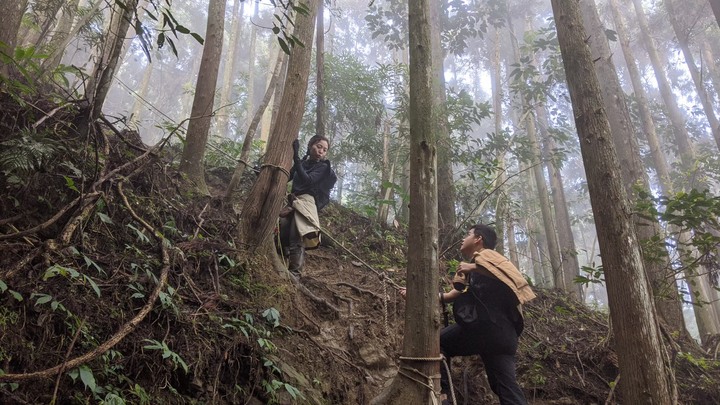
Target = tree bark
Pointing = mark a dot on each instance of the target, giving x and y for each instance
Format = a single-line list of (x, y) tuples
[(226, 89), (647, 377), (566, 241), (447, 217), (261, 209), (251, 65), (503, 207), (422, 319), (545, 208), (682, 139), (193, 156), (99, 82), (648, 124), (252, 129), (12, 12), (659, 272), (320, 75)]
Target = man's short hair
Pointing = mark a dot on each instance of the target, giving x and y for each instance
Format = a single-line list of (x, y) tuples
[(488, 235)]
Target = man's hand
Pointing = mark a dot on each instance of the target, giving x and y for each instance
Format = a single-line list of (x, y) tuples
[(459, 278), (296, 149), (465, 268), (403, 292)]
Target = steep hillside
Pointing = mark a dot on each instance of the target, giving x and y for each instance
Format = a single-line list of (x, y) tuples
[(116, 286)]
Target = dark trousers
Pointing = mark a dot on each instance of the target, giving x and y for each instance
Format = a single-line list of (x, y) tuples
[(496, 343)]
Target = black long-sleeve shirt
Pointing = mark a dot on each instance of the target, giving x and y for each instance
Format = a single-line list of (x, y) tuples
[(315, 178)]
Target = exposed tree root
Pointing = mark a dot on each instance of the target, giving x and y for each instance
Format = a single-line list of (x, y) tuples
[(124, 329)]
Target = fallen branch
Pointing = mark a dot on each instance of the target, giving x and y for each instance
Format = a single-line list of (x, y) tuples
[(359, 289)]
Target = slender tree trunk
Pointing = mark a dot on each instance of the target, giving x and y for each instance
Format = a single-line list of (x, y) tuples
[(12, 13), (709, 63), (62, 38), (682, 139), (252, 129), (320, 76), (50, 19), (422, 312), (534, 249), (382, 211), (446, 183), (193, 156), (141, 94), (271, 111), (101, 79), (661, 166), (226, 89), (647, 377), (545, 208), (261, 209), (503, 207), (251, 66), (660, 273), (568, 252), (705, 100)]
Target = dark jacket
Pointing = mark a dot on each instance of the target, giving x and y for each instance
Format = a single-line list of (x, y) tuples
[(312, 177)]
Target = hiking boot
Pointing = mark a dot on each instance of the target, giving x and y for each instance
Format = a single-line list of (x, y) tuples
[(296, 260)]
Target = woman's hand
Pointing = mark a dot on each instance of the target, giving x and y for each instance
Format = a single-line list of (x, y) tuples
[(403, 292)]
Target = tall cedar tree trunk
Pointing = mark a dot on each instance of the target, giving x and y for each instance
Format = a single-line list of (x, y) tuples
[(705, 314), (541, 267), (193, 156), (447, 218), (705, 100), (226, 89), (382, 212), (659, 270), (502, 213), (674, 114), (99, 82), (648, 124), (251, 64), (252, 129), (422, 310), (556, 280), (320, 73), (566, 241), (12, 12), (271, 111), (647, 377), (261, 209)]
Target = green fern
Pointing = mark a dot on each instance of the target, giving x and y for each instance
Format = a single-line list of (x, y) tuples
[(27, 153)]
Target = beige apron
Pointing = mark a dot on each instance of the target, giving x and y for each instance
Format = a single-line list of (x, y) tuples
[(307, 221)]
